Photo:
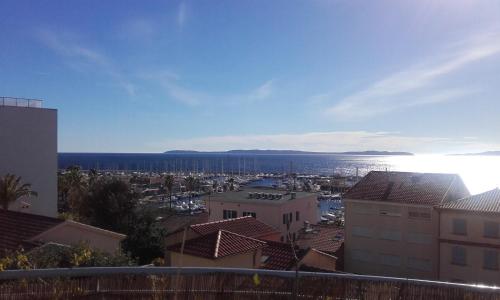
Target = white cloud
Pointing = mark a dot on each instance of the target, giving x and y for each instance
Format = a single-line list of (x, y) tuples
[(181, 14), (138, 29), (417, 85), (174, 88), (79, 57), (334, 141)]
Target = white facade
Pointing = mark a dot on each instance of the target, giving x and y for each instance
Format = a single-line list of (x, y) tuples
[(28, 148)]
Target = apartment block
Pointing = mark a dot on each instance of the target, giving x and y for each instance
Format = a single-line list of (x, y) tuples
[(284, 211), (469, 239), (28, 135), (392, 226)]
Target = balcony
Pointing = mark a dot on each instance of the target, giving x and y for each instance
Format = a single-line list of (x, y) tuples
[(222, 283), (20, 102)]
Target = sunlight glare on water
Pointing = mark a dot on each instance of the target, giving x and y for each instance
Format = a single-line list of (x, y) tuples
[(479, 173)]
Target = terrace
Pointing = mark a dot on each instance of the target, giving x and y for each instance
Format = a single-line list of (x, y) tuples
[(20, 102), (215, 283)]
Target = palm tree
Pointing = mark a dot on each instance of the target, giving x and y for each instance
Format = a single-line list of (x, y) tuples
[(11, 189), (73, 187), (169, 184)]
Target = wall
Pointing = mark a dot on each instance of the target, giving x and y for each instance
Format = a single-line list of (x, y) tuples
[(29, 149), (272, 214), (474, 242), (71, 234), (381, 239), (249, 260)]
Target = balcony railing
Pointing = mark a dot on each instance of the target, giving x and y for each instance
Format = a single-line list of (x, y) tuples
[(222, 283), (20, 102)]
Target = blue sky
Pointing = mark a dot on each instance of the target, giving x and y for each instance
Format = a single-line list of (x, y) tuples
[(128, 76)]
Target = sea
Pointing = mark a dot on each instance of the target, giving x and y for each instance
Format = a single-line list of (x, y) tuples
[(479, 173)]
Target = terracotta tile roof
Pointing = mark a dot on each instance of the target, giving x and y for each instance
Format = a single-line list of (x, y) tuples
[(218, 244), (247, 226), (486, 202), (279, 256), (17, 227), (409, 188), (325, 238)]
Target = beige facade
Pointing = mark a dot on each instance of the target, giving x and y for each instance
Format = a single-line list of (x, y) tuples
[(29, 149), (73, 233), (469, 247), (287, 217), (250, 260), (391, 239)]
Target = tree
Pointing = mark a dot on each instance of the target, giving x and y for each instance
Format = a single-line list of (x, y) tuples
[(11, 189), (144, 242), (72, 188), (169, 184), (109, 204)]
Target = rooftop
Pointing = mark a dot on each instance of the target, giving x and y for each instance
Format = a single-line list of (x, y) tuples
[(280, 256), (17, 227), (20, 102), (408, 188), (325, 238), (218, 244), (485, 202), (247, 226), (259, 195)]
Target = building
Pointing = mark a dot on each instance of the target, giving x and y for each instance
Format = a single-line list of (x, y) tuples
[(328, 239), (284, 211), (28, 231), (392, 226), (29, 149), (241, 243), (469, 239)]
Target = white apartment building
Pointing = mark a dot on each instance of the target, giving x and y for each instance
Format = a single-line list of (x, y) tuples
[(28, 139)]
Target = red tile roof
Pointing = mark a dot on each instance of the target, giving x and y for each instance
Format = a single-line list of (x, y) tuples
[(280, 256), (218, 244), (486, 202), (247, 226), (409, 188), (177, 222), (16, 227), (325, 238)]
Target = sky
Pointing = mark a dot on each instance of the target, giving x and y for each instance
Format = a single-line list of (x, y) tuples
[(344, 75)]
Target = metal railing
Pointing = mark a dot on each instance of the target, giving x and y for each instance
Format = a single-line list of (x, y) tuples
[(20, 102), (223, 283)]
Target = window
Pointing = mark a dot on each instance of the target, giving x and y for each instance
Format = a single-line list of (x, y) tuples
[(459, 227), (458, 256), (285, 219), (390, 210), (290, 217), (419, 214), (361, 255), (390, 260), (391, 235), (247, 213), (297, 216), (229, 214), (490, 259), (419, 264), (361, 231), (419, 238), (491, 229), (293, 238)]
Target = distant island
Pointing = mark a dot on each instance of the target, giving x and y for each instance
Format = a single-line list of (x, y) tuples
[(287, 152), (486, 153)]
